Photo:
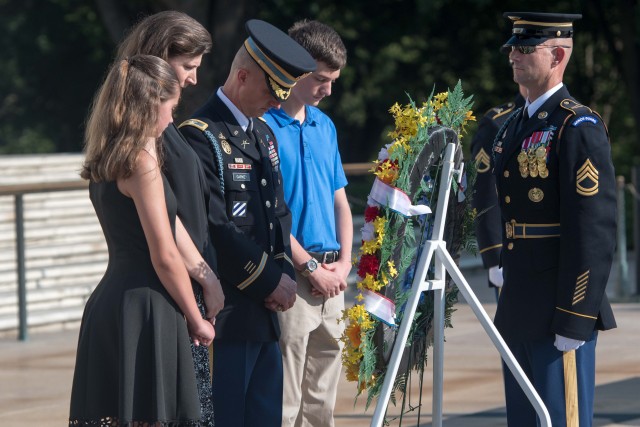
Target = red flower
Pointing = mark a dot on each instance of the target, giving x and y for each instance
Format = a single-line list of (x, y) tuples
[(369, 264), (371, 213)]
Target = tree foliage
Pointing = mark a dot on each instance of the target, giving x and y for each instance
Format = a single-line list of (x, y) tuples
[(56, 53)]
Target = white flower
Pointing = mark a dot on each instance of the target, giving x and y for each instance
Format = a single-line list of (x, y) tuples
[(368, 232), (383, 154)]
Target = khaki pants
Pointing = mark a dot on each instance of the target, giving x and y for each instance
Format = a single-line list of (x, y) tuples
[(311, 355)]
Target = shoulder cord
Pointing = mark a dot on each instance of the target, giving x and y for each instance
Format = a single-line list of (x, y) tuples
[(503, 128), (217, 156)]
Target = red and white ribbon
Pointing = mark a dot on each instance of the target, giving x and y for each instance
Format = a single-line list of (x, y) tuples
[(396, 199), (380, 306)]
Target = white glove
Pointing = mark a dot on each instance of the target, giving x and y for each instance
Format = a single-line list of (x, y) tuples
[(495, 276), (566, 344)]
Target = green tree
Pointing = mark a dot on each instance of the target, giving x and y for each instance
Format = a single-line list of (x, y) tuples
[(54, 54)]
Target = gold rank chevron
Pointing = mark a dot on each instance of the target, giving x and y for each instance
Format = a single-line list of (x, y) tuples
[(581, 287), (587, 172), (483, 161)]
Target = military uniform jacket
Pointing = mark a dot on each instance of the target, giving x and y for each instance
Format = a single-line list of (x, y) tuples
[(249, 222), (488, 225), (184, 173), (555, 278)]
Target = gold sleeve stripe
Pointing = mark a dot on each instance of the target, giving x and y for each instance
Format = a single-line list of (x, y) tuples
[(577, 314), (570, 388), (250, 267), (589, 174), (255, 274), (490, 247), (581, 287), (578, 296), (286, 258), (483, 161)]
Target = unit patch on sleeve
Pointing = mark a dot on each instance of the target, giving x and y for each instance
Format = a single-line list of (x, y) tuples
[(239, 209), (580, 120), (587, 179), (483, 162)]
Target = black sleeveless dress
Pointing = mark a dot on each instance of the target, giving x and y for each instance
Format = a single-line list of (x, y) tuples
[(134, 365)]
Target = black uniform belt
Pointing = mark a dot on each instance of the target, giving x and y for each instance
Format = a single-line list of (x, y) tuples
[(531, 231), (325, 257)]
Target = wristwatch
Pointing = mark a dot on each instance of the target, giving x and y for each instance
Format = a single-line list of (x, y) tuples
[(310, 267)]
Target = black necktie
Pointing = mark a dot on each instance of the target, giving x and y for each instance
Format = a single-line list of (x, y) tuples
[(250, 134), (525, 115)]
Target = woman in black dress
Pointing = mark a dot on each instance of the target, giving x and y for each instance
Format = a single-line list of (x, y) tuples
[(134, 366), (182, 41)]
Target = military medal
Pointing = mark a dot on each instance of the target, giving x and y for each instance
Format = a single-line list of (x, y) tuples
[(536, 195), (522, 157), (522, 164), (532, 159)]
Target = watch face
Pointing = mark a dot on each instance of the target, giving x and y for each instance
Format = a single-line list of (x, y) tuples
[(312, 264)]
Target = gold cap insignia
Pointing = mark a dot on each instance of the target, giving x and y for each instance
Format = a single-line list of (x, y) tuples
[(587, 179)]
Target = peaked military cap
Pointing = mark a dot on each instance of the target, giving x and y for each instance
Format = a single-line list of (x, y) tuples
[(533, 28), (283, 60)]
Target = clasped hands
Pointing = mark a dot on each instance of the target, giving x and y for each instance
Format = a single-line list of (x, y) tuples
[(283, 296), (329, 279)]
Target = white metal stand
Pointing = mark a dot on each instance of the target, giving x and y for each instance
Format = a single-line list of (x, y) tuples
[(445, 264)]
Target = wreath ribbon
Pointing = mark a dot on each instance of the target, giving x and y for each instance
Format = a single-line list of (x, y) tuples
[(396, 199), (380, 306)]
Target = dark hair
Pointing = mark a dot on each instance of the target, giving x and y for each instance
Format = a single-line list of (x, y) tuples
[(321, 41), (166, 34), (124, 115)]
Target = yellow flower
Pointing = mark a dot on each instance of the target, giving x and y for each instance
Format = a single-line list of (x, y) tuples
[(370, 247), (392, 268), (379, 224)]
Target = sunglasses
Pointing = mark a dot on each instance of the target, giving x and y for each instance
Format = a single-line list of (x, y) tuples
[(527, 50)]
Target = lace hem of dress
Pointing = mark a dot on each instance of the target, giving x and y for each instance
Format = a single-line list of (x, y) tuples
[(115, 422)]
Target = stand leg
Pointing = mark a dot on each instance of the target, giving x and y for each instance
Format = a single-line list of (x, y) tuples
[(438, 355), (443, 256)]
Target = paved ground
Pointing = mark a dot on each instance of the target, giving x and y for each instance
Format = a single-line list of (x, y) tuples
[(35, 376)]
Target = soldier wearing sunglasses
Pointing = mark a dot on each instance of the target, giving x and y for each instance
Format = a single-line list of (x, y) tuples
[(556, 190)]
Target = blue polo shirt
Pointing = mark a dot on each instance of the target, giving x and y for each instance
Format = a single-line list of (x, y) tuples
[(312, 172)]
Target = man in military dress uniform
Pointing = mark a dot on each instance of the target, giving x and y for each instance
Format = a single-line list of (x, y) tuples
[(250, 223), (488, 224), (556, 190)]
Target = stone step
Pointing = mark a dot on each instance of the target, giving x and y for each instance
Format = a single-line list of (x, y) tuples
[(66, 254), (44, 316), (62, 296)]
